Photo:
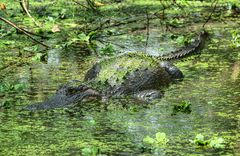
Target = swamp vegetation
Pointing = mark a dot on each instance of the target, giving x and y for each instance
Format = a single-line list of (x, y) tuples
[(47, 43)]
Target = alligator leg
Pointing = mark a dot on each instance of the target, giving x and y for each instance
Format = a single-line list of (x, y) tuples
[(172, 70), (148, 95)]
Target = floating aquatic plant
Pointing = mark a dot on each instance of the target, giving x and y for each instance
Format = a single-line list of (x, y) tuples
[(159, 140), (215, 142)]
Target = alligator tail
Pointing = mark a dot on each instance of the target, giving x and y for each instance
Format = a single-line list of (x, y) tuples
[(189, 49)]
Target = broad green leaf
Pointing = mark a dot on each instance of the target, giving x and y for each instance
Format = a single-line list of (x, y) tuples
[(161, 138), (199, 137), (149, 140), (217, 143)]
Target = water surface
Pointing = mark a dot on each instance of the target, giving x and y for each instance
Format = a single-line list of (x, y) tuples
[(211, 85)]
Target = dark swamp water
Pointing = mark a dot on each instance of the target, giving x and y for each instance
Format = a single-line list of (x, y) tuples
[(211, 85)]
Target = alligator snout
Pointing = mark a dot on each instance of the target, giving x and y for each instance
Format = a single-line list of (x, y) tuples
[(67, 96)]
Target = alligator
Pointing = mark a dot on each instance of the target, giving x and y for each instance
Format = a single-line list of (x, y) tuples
[(136, 75)]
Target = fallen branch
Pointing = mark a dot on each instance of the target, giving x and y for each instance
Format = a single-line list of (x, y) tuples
[(91, 6), (22, 30), (24, 5)]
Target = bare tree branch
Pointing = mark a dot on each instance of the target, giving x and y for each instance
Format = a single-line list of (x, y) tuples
[(22, 30), (25, 6), (210, 15)]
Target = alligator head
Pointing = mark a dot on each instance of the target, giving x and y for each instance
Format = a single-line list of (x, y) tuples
[(67, 95)]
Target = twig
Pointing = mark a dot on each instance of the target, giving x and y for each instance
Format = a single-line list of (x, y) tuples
[(109, 42), (91, 5), (151, 17), (147, 28), (113, 35), (22, 30), (31, 33), (178, 5), (123, 23), (24, 5), (210, 15), (80, 4)]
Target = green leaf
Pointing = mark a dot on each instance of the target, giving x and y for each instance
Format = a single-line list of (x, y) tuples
[(37, 57), (83, 37), (90, 151), (180, 40), (149, 140), (107, 50), (217, 142), (8, 42), (161, 138), (199, 137), (19, 87), (7, 87)]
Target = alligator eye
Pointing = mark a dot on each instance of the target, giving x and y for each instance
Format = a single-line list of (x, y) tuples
[(70, 91), (148, 95)]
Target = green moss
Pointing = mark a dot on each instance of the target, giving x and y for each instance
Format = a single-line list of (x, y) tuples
[(114, 70)]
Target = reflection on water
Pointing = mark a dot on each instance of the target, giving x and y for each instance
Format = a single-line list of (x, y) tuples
[(211, 85), (54, 57)]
